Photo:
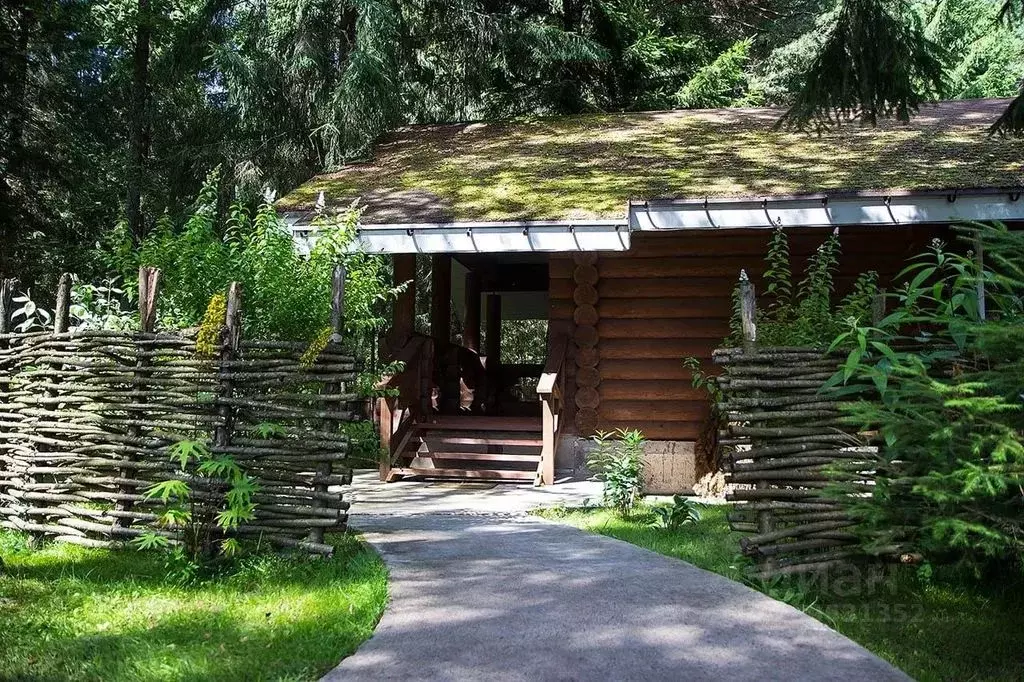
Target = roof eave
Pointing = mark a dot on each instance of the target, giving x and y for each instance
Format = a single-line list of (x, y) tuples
[(834, 209)]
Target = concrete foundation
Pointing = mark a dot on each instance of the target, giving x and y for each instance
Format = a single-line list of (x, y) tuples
[(669, 465)]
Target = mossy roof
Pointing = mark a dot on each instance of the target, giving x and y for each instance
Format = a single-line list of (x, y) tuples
[(590, 166)]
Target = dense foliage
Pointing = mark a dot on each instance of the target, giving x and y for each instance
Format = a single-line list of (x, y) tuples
[(286, 294), (117, 108), (943, 378), (805, 314)]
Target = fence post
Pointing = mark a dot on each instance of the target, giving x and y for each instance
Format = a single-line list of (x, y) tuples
[(7, 287), (748, 311), (228, 351), (878, 307), (62, 311), (149, 288), (230, 342), (324, 469), (748, 322)]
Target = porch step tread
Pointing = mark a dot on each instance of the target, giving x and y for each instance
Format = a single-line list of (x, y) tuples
[(479, 456), (518, 441), (504, 474), (475, 423)]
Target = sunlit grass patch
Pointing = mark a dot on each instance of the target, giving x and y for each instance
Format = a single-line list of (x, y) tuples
[(70, 613)]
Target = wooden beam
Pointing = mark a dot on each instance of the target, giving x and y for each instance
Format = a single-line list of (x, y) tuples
[(441, 297), (493, 351), (471, 331), (404, 318)]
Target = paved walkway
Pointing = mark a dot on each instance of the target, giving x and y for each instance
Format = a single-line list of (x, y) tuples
[(511, 597)]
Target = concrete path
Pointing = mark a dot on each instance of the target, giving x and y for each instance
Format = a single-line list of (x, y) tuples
[(511, 597)]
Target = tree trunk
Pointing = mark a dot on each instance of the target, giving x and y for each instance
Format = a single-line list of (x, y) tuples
[(13, 144), (138, 141)]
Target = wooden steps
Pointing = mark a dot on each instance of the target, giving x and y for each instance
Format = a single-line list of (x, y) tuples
[(467, 474), (477, 423), (471, 447)]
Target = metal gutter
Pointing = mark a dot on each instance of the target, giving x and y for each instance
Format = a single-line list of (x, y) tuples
[(548, 236), (828, 210)]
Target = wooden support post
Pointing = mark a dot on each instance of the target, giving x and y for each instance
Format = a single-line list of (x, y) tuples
[(549, 431), (323, 470), (492, 352), (404, 320), (61, 320), (441, 298), (471, 333), (748, 311), (386, 424)]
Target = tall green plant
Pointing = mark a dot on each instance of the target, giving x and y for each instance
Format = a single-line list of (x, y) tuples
[(805, 315), (943, 386), (617, 460)]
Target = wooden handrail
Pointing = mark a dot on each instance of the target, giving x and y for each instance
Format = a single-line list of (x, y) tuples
[(409, 399), (553, 365), (550, 388)]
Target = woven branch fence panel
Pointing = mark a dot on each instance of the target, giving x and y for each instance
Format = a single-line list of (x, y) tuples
[(86, 420), (786, 450)]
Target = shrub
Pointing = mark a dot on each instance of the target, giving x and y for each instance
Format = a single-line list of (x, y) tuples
[(617, 460), (680, 513), (943, 386)]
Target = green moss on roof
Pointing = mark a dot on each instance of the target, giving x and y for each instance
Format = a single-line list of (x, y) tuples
[(590, 166)]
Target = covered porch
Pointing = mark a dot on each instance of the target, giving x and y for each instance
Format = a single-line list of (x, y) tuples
[(477, 388)]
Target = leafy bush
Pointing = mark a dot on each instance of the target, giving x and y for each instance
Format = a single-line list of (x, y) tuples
[(680, 513), (943, 386), (804, 315), (617, 460), (286, 294)]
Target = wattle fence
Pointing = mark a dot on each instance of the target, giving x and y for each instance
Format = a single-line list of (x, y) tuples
[(87, 417), (793, 462)]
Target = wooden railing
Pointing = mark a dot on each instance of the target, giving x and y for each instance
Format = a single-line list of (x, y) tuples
[(407, 398), (551, 389)]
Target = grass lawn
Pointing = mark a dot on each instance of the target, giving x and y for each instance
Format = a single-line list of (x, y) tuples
[(943, 629), (68, 612)]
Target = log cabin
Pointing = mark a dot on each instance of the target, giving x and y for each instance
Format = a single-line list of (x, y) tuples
[(623, 235)]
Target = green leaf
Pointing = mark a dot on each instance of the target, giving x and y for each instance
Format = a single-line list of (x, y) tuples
[(150, 540), (850, 366), (168, 490), (223, 466), (185, 450)]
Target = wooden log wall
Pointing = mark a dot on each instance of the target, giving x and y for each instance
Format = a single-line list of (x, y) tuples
[(668, 298), (87, 417)]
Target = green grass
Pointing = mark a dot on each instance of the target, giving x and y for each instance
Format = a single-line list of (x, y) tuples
[(70, 613), (948, 628)]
